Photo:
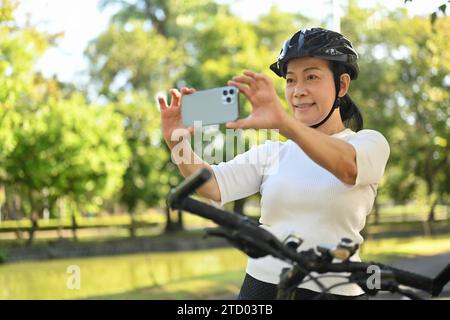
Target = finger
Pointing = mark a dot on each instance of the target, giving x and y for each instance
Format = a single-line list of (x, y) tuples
[(264, 78), (242, 88), (185, 91), (239, 124), (162, 103), (245, 79), (191, 130), (257, 76), (176, 97), (250, 73)]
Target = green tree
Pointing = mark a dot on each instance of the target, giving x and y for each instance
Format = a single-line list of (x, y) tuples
[(148, 173), (403, 92), (66, 149), (168, 18), (19, 49), (425, 103), (55, 146), (133, 58), (142, 53)]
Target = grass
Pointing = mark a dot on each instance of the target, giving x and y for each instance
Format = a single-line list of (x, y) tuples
[(407, 226), (151, 216), (402, 212), (394, 248), (225, 284), (414, 210)]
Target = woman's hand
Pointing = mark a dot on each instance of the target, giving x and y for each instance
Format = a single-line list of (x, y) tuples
[(171, 115), (267, 111)]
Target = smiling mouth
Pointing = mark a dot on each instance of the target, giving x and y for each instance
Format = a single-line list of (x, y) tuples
[(304, 106)]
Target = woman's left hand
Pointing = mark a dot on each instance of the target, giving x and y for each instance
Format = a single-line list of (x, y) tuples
[(267, 111)]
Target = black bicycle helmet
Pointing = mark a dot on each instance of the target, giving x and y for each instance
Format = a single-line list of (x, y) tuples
[(319, 43)]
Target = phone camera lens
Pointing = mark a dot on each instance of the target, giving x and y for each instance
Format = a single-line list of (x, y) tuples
[(231, 91), (225, 92), (228, 99)]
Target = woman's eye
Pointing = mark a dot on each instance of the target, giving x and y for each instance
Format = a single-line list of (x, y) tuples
[(289, 80), (312, 77)]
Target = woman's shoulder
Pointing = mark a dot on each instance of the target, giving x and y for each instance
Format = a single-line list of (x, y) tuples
[(372, 134), (369, 139), (366, 134)]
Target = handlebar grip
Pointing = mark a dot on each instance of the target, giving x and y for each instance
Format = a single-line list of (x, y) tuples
[(413, 280), (188, 186), (403, 277), (441, 280)]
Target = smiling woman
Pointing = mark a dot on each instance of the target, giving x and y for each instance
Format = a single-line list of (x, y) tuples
[(321, 183), (310, 91)]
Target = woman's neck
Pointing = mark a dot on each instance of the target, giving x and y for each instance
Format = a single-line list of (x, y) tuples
[(333, 125)]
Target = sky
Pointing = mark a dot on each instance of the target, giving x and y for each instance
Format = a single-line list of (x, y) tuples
[(82, 21)]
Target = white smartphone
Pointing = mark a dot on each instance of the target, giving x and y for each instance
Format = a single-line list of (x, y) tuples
[(212, 106)]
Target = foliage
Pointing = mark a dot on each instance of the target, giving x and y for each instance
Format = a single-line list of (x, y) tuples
[(58, 145)]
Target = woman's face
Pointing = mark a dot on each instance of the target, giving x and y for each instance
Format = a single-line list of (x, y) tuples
[(310, 89)]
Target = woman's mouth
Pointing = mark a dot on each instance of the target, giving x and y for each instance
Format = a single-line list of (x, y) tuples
[(304, 106)]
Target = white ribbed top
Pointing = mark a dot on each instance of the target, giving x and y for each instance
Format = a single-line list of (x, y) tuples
[(298, 195)]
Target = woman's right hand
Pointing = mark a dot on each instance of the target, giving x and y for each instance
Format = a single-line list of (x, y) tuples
[(171, 115)]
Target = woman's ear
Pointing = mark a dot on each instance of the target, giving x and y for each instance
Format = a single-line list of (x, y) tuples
[(345, 84)]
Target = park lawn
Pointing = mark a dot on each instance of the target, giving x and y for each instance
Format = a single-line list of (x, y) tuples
[(393, 248), (223, 285)]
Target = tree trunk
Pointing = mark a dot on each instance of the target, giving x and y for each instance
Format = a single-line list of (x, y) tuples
[(74, 227), (34, 226), (431, 216), (61, 208), (132, 225), (428, 223), (10, 209)]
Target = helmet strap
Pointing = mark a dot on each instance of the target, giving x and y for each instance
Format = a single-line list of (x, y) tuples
[(336, 103), (335, 106)]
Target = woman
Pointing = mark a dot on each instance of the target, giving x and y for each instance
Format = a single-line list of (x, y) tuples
[(326, 175)]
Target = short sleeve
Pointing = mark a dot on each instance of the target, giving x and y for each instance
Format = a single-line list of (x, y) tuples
[(372, 153), (242, 176)]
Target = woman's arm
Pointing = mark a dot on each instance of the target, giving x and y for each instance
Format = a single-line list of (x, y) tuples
[(191, 163), (336, 156)]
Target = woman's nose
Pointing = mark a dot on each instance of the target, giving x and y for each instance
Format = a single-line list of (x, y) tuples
[(300, 91)]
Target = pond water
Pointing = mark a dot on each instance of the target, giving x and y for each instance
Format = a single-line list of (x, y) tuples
[(60, 279)]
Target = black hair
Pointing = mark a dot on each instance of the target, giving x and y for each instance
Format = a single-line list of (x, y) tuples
[(350, 113)]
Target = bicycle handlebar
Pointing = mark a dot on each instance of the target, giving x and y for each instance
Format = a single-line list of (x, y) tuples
[(188, 186), (263, 242)]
